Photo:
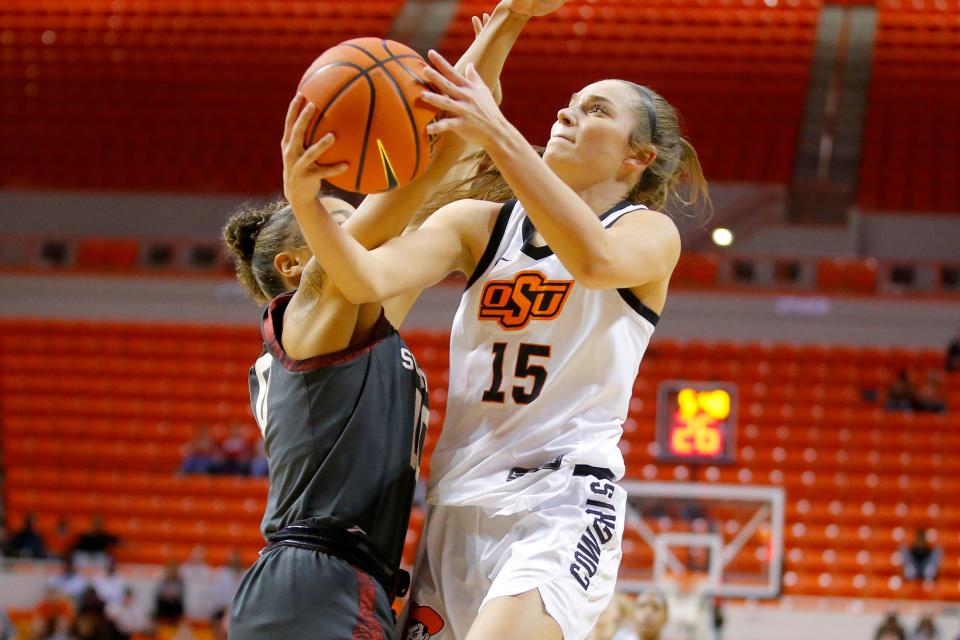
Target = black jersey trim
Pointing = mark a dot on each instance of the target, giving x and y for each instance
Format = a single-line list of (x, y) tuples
[(645, 312), (493, 244), (631, 299), (541, 252), (273, 317), (597, 472)]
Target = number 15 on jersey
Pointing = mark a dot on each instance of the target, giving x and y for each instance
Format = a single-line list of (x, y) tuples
[(529, 370)]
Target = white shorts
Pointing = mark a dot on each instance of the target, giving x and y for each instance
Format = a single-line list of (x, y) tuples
[(568, 548)]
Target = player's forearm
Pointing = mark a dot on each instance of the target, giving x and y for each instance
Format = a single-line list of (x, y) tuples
[(351, 267), (383, 216), (567, 223), (490, 49)]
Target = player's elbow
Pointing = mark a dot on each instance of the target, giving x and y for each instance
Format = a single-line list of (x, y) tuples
[(594, 273), (363, 291)]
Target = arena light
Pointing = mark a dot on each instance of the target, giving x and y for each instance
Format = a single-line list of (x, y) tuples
[(722, 237)]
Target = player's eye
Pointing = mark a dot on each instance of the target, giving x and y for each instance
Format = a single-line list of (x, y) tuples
[(597, 108)]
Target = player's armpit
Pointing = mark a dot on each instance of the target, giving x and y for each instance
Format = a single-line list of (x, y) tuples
[(641, 248), (396, 309)]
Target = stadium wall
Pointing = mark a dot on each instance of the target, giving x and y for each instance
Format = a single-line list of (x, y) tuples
[(689, 315)]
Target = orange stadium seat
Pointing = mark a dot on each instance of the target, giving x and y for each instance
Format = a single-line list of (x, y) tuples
[(858, 479), (908, 155), (205, 52)]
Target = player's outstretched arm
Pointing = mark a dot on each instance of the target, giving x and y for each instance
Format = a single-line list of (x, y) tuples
[(383, 216), (449, 241), (640, 250)]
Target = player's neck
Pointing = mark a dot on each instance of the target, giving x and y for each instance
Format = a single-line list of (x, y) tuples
[(600, 197)]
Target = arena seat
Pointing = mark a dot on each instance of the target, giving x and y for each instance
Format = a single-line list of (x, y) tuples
[(84, 434), (727, 66), (185, 67), (909, 153)]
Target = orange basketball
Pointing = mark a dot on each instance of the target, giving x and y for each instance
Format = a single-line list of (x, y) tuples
[(367, 93)]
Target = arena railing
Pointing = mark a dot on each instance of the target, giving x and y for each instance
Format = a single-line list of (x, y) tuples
[(762, 273)]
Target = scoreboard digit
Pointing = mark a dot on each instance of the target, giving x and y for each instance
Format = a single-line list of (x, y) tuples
[(696, 422)]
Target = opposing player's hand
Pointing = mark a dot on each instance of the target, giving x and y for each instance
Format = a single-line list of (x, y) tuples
[(533, 8), (471, 111), (479, 24), (301, 174)]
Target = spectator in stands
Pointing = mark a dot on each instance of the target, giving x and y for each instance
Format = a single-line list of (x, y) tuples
[(97, 541), (901, 394), (94, 626), (926, 630), (650, 615), (7, 630), (219, 622), (921, 561), (92, 622), (718, 619), (53, 612), (259, 467), (170, 591), (237, 451), (59, 541), (609, 621), (930, 397), (110, 586), (197, 584), (68, 582), (196, 569), (63, 630), (129, 617), (953, 355), (201, 454), (184, 632), (227, 581), (89, 601), (26, 543), (890, 628)]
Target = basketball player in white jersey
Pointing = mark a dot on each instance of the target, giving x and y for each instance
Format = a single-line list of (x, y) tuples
[(565, 289)]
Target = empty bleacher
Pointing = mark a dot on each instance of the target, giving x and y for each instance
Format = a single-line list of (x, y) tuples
[(911, 138), (190, 96), (166, 96), (94, 416), (736, 71)]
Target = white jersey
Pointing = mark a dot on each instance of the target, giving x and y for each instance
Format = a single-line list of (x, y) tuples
[(541, 374)]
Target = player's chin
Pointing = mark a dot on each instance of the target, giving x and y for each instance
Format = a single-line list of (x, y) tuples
[(555, 155)]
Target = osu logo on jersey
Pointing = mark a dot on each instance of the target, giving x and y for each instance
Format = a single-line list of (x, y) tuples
[(422, 623), (529, 296)]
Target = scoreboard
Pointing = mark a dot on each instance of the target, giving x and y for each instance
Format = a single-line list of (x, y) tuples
[(696, 422)]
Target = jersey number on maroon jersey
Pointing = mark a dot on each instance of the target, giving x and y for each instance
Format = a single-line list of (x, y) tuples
[(421, 411), (262, 368), (524, 369)]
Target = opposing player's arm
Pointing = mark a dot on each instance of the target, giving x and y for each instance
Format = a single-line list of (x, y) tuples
[(383, 216), (451, 240)]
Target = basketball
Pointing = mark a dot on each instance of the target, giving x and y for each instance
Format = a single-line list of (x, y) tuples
[(367, 92)]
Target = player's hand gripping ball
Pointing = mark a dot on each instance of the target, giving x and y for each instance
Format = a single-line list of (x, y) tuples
[(366, 92)]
